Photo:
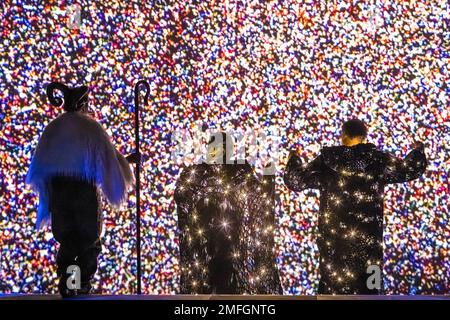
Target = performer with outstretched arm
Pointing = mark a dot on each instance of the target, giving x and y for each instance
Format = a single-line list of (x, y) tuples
[(351, 179), (73, 161)]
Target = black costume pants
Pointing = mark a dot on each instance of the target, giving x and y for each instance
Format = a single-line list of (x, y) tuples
[(76, 225)]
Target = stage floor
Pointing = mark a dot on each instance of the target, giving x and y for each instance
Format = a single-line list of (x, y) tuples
[(220, 297)]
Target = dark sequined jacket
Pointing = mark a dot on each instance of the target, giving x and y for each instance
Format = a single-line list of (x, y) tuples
[(226, 230), (350, 228)]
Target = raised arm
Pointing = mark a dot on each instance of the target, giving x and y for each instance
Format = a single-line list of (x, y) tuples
[(410, 168), (298, 176)]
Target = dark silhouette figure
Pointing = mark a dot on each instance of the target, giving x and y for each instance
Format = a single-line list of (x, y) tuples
[(226, 227), (351, 180)]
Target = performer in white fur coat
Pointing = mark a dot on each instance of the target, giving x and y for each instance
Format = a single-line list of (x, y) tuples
[(73, 163)]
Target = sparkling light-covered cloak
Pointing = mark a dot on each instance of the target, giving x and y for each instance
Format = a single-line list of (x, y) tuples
[(226, 220)]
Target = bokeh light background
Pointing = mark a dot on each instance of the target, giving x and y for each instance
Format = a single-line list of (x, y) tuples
[(300, 67)]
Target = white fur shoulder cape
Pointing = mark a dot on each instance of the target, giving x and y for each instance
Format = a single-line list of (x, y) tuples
[(75, 145)]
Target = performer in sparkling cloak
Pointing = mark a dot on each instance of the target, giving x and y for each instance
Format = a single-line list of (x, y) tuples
[(226, 226), (73, 162), (351, 179)]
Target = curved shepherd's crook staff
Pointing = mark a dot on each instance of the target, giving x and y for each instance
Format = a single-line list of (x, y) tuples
[(137, 174)]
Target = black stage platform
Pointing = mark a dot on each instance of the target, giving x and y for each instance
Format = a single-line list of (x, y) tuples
[(221, 297)]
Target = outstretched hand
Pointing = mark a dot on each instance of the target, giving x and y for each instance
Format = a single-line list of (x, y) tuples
[(134, 158)]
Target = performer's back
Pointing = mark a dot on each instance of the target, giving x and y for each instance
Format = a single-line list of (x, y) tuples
[(351, 181)]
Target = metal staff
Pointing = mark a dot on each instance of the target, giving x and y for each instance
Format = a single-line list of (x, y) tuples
[(137, 174)]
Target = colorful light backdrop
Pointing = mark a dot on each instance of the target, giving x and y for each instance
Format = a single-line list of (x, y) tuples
[(301, 67)]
